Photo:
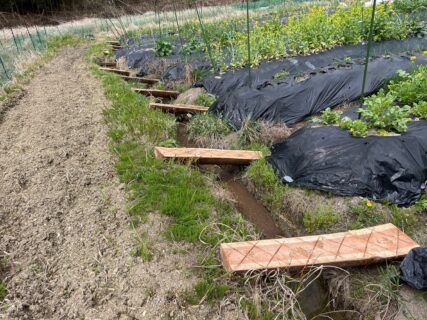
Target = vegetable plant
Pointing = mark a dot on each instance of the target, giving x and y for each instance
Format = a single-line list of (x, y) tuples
[(420, 110), (410, 87), (163, 48), (381, 112), (330, 117)]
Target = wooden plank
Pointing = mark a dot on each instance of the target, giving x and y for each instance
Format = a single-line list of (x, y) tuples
[(208, 156), (120, 72), (108, 64), (178, 108), (157, 93), (141, 80), (114, 42), (356, 247)]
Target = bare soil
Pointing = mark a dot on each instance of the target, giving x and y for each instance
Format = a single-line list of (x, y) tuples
[(65, 239)]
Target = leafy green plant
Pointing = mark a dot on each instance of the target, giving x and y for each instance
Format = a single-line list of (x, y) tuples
[(358, 128), (420, 110), (331, 117), (409, 6), (382, 113), (163, 48), (410, 87), (281, 74)]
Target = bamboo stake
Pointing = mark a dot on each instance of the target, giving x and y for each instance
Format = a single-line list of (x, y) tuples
[(368, 51), (248, 44), (205, 39)]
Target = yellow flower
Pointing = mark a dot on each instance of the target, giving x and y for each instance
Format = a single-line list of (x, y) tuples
[(369, 204), (413, 58), (425, 52)]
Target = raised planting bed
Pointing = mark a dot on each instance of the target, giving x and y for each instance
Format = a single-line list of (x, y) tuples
[(208, 156)]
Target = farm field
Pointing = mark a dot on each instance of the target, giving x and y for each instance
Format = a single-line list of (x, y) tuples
[(243, 160)]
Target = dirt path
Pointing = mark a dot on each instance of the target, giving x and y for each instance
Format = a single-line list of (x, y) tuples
[(64, 232)]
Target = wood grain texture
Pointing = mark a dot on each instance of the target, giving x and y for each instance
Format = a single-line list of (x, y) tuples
[(120, 72), (356, 247), (208, 156), (179, 108), (140, 79), (157, 93)]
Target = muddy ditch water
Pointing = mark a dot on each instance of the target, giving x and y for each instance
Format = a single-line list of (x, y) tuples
[(314, 299)]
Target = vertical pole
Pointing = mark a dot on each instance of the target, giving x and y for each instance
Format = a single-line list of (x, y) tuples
[(248, 44), (38, 36), (205, 39), (14, 39), (31, 38), (368, 51), (177, 23), (4, 68)]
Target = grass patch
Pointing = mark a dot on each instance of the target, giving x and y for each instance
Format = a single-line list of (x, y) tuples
[(366, 214), (179, 191), (142, 249), (262, 174), (205, 99), (377, 290), (206, 125), (3, 291), (324, 216)]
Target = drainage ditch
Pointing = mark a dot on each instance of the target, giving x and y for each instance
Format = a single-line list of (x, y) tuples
[(314, 299)]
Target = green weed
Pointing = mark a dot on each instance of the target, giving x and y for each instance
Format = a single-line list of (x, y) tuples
[(142, 249), (205, 99), (207, 125), (366, 216), (3, 291), (321, 217), (262, 174)]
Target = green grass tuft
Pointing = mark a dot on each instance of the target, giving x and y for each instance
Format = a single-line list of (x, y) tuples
[(3, 291), (324, 216)]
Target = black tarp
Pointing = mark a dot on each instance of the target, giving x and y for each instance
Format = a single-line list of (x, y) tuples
[(290, 100), (225, 83), (413, 269), (390, 168)]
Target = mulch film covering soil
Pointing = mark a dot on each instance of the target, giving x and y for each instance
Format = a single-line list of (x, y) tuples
[(293, 98), (330, 159)]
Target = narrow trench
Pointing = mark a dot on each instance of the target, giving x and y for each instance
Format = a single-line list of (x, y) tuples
[(246, 203), (314, 299)]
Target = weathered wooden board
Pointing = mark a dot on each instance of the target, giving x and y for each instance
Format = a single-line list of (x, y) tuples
[(108, 64), (208, 156), (114, 42), (356, 247), (179, 108), (157, 93), (120, 72), (141, 80)]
